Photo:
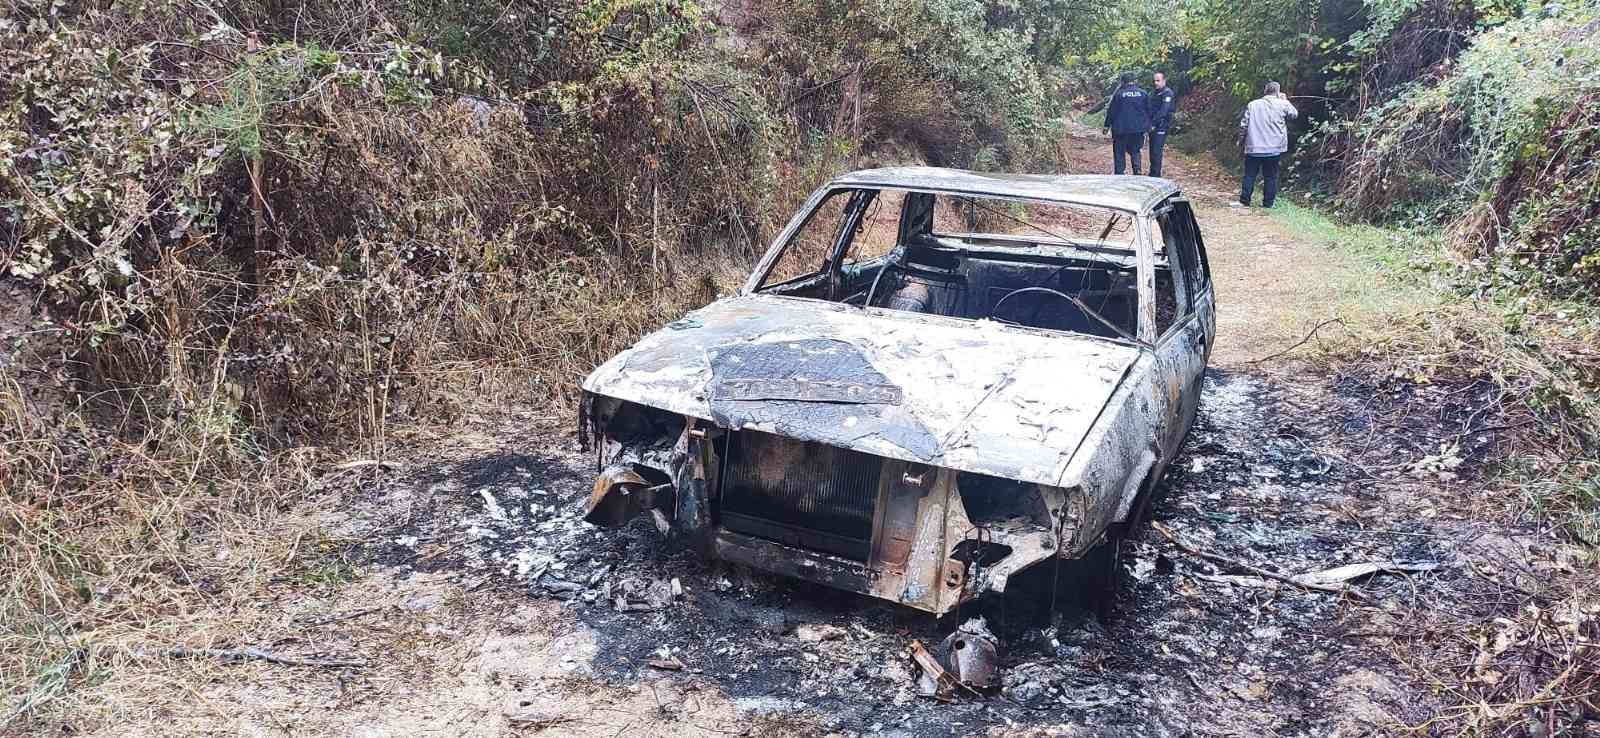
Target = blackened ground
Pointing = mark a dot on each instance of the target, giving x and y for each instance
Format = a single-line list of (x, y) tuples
[(1330, 471)]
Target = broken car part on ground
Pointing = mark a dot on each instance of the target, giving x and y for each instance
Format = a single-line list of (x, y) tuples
[(933, 380)]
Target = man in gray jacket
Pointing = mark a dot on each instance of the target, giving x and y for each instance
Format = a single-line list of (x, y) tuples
[(1264, 134)]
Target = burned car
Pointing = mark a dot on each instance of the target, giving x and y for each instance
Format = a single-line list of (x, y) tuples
[(933, 380)]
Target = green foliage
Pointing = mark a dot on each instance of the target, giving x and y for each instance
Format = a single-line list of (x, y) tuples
[(262, 79), (1223, 44), (1384, 17), (1248, 43), (1138, 33), (1504, 143)]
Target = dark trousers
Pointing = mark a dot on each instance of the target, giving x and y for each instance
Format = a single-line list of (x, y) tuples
[(1126, 145), (1267, 167), (1158, 141)]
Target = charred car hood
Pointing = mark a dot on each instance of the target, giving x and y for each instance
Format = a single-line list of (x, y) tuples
[(972, 396)]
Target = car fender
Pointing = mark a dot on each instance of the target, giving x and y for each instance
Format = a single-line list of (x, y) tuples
[(1138, 473)]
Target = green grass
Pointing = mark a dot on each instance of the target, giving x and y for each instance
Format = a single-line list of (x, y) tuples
[(1394, 253), (1381, 274)]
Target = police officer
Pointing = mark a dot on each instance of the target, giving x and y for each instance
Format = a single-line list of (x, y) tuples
[(1165, 102), (1128, 118)]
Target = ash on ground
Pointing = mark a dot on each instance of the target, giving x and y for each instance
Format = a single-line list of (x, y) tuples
[(1193, 648)]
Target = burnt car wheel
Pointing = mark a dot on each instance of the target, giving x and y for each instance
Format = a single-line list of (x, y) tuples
[(1103, 565)]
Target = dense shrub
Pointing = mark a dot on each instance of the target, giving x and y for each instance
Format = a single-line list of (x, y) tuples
[(1501, 142)]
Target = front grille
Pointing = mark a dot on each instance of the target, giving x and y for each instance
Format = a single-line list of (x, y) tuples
[(801, 494)]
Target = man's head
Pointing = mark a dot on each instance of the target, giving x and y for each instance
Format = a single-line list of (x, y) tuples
[(1270, 89), (1128, 78), (1161, 80)]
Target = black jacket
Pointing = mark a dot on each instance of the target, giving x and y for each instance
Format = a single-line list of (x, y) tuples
[(1164, 102), (1129, 111)]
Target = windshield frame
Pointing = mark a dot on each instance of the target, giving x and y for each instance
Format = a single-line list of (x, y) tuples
[(1138, 250), (780, 245)]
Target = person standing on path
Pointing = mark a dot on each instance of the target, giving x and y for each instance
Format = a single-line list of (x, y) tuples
[(1264, 135), (1128, 118), (1165, 102)]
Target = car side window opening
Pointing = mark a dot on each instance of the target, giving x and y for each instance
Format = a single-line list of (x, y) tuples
[(806, 253), (1171, 298), (879, 229), (1026, 263), (1196, 270)]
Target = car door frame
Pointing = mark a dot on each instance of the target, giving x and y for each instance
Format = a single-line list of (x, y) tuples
[(1202, 303), (1181, 350)]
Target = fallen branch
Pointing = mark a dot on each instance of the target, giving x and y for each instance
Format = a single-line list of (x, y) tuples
[(243, 654), (538, 721), (1342, 574), (348, 465), (338, 618), (1252, 569), (1300, 343)]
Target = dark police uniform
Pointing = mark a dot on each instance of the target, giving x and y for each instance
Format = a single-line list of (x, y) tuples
[(1165, 101), (1128, 117)]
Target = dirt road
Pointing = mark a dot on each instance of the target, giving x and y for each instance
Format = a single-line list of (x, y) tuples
[(481, 606)]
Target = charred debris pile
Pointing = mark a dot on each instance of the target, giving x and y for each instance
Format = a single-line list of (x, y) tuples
[(1271, 559)]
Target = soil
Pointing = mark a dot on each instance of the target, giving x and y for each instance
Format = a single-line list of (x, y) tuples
[(483, 605)]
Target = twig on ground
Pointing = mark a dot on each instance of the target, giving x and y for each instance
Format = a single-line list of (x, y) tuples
[(359, 463), (242, 654), (1492, 428), (1252, 569), (1299, 343), (538, 721), (345, 616)]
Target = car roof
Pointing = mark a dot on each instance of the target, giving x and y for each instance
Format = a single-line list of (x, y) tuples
[(1137, 194)]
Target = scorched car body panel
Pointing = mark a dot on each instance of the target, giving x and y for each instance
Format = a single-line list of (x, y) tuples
[(989, 398)]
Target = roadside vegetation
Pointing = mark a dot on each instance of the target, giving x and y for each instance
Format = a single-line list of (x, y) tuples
[(1416, 313), (1451, 145), (1525, 655), (245, 243)]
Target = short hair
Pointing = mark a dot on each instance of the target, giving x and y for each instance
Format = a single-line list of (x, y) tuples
[(1163, 74), (1270, 89), (1129, 77)]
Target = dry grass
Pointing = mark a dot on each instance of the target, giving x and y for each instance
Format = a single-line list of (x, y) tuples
[(1405, 316), (156, 512), (1526, 651), (1524, 654), (116, 549)]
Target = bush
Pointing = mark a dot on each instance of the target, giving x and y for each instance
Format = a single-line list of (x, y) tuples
[(1503, 144)]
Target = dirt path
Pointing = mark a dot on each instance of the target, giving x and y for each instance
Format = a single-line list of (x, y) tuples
[(1272, 286), (484, 607)]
